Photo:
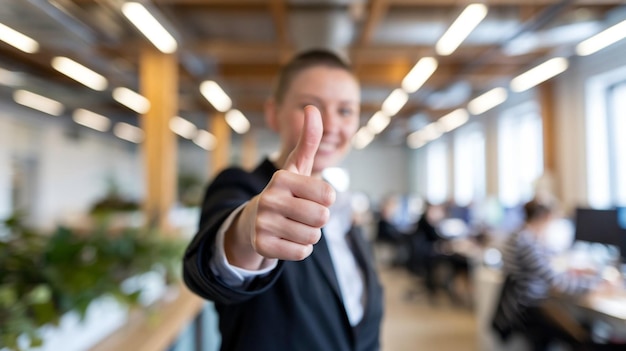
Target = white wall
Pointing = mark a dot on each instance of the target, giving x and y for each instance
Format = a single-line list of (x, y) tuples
[(71, 173), (378, 170)]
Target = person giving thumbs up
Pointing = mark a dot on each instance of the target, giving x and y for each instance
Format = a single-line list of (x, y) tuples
[(274, 252)]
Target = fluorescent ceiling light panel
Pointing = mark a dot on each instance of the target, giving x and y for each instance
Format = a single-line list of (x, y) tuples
[(18, 40), (128, 132), (141, 18), (603, 39), (461, 28), (132, 100), (487, 101), (183, 127), (38, 102), (237, 121), (394, 102), (205, 140), (215, 95), (539, 74), (378, 122), (362, 138), (425, 135), (415, 140), (419, 74), (453, 120), (79, 73), (91, 120)]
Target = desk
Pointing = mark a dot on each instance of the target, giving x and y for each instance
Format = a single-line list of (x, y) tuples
[(607, 311), (156, 331), (612, 305), (603, 311)]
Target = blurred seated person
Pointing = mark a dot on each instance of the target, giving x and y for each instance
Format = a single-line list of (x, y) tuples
[(530, 281), (430, 251), (388, 233), (387, 230)]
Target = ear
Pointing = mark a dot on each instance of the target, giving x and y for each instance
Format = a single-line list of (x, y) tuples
[(270, 114)]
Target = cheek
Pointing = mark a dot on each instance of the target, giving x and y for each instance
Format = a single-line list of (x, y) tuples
[(349, 128), (294, 130)]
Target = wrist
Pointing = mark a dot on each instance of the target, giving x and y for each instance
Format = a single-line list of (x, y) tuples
[(238, 239)]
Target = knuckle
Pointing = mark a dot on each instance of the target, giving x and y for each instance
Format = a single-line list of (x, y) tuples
[(315, 236), (302, 252), (262, 246), (322, 217), (328, 194), (279, 176)]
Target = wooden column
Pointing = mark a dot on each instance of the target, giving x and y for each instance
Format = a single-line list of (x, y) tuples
[(249, 151), (221, 154), (159, 83), (546, 99), (548, 117)]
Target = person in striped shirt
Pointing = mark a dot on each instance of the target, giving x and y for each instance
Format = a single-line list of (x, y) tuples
[(527, 266)]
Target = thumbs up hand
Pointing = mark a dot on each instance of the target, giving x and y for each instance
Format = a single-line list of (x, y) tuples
[(285, 219)]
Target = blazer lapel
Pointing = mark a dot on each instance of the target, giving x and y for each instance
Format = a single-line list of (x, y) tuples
[(321, 257), (365, 260)]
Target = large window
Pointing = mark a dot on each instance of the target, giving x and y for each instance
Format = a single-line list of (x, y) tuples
[(520, 153), (605, 144), (437, 171), (469, 165), (617, 147)]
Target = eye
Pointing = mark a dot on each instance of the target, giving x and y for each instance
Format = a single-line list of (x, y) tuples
[(346, 111)]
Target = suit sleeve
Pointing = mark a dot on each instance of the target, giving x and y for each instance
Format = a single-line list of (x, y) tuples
[(228, 191)]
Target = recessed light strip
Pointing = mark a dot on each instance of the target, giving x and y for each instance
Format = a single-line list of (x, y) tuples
[(38, 102), (79, 73), (378, 122), (128, 132), (18, 40), (461, 28), (539, 74), (394, 102), (131, 99), (183, 127), (141, 18), (487, 101), (362, 138), (215, 95), (205, 140), (603, 39), (91, 120), (419, 74), (237, 121)]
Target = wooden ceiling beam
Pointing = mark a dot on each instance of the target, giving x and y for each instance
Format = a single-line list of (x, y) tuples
[(377, 10), (278, 9)]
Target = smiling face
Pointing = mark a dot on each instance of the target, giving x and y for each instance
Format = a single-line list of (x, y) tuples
[(335, 92)]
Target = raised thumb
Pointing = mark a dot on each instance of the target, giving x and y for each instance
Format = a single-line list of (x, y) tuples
[(301, 159)]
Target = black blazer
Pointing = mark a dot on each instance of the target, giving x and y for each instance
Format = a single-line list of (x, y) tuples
[(298, 306)]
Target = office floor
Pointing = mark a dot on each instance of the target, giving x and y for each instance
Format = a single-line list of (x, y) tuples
[(415, 324)]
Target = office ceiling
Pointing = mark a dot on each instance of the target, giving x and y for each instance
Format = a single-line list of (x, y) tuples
[(241, 43)]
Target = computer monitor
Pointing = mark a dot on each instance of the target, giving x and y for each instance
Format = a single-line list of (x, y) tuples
[(621, 221), (599, 226)]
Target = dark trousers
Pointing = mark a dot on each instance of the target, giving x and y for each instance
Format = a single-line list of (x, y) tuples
[(541, 331)]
